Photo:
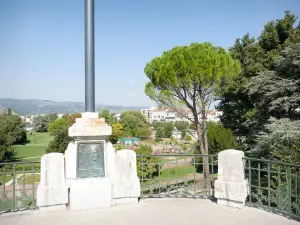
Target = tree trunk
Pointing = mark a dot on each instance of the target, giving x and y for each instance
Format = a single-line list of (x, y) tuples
[(203, 152), (204, 132)]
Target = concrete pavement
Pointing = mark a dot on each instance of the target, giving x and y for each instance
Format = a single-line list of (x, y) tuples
[(150, 212)]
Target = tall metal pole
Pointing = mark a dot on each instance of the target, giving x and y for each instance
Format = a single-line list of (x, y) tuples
[(89, 57)]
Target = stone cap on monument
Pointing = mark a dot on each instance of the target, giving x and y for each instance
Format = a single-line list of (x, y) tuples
[(90, 126), (231, 166)]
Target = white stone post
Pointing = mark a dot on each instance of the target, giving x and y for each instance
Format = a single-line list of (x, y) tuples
[(52, 192), (231, 188), (126, 184), (90, 163)]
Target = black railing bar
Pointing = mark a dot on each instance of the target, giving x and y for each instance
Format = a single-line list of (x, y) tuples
[(273, 162)]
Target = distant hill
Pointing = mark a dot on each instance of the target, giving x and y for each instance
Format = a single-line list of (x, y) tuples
[(32, 106)]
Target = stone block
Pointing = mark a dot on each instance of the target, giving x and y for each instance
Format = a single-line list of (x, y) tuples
[(126, 184), (52, 190), (90, 127), (231, 166), (231, 193), (110, 159), (71, 162), (90, 193), (231, 188)]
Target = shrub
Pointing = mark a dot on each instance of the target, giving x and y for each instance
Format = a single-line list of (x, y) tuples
[(188, 138), (60, 142), (147, 166), (219, 138)]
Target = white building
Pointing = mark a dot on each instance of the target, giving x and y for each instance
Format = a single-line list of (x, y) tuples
[(214, 116), (166, 115), (158, 115), (117, 116)]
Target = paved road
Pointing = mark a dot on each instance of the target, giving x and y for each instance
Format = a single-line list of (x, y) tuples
[(150, 212)]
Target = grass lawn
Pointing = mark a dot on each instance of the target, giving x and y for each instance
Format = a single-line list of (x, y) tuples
[(4, 179), (39, 138), (35, 148)]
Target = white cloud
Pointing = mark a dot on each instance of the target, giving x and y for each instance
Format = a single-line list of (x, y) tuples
[(133, 94)]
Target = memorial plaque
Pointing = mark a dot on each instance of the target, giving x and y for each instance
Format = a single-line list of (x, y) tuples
[(90, 160)]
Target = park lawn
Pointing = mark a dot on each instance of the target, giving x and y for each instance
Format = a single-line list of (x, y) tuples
[(4, 179), (39, 138), (29, 179), (35, 148), (29, 151)]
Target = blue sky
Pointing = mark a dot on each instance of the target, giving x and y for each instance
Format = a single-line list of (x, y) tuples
[(42, 42)]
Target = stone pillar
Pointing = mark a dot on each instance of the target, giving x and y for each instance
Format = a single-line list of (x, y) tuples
[(89, 163), (52, 192), (126, 184), (231, 188)]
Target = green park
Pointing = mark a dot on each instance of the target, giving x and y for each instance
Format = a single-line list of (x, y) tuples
[(255, 86)]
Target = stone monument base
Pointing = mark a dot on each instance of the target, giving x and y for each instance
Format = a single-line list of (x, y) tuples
[(51, 198), (90, 193), (231, 194)]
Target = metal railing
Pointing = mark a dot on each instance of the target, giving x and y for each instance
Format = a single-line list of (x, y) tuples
[(18, 184), (274, 186), (177, 175)]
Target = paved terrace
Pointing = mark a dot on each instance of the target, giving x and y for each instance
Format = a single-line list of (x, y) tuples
[(152, 212)]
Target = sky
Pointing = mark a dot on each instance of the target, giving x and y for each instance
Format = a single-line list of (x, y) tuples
[(42, 42)]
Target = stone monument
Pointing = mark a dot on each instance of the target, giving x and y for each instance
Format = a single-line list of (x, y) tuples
[(52, 192), (89, 163), (231, 188), (126, 184)]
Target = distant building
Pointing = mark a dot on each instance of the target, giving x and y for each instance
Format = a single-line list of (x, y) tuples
[(214, 116), (117, 116), (27, 128), (60, 115), (166, 115)]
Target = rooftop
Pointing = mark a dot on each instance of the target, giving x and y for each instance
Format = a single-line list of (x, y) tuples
[(150, 212)]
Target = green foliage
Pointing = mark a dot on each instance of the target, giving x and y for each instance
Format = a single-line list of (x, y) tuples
[(190, 76), (57, 125), (168, 129), (265, 89), (40, 123), (219, 138), (117, 132), (135, 124), (280, 141), (13, 127), (182, 125), (109, 117), (6, 150), (51, 117), (277, 92), (189, 138), (60, 142), (144, 132), (165, 129), (147, 166), (159, 133)]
